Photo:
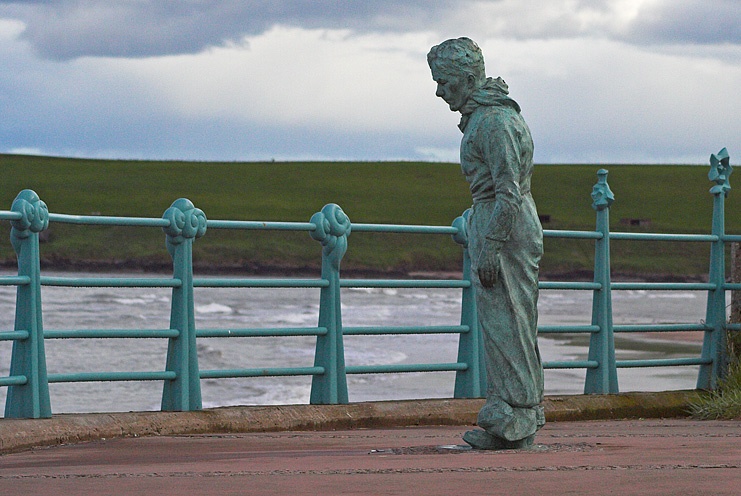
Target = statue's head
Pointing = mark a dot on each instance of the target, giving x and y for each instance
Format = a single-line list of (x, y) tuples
[(457, 67)]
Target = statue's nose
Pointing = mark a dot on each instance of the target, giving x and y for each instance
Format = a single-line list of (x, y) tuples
[(439, 91)]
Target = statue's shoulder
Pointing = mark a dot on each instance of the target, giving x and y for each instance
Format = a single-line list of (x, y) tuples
[(497, 117)]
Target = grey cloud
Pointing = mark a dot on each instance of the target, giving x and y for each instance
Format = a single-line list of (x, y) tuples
[(688, 22), (662, 22), (69, 28)]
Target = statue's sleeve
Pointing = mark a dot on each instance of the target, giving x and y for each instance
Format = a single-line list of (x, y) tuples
[(500, 149)]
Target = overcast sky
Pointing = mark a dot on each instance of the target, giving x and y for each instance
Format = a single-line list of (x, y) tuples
[(599, 81)]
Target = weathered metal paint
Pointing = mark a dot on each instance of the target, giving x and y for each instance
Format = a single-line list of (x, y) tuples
[(332, 229), (470, 382), (28, 359), (603, 378), (186, 223), (713, 346)]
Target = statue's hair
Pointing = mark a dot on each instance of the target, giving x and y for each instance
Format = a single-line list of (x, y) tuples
[(456, 56)]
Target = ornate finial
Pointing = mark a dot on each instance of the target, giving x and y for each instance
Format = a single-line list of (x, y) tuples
[(602, 196), (720, 172), (332, 229), (186, 221), (461, 223), (34, 214)]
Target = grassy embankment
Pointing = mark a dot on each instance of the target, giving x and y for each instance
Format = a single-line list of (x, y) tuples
[(674, 198)]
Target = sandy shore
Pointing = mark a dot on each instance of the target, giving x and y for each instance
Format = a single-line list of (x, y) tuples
[(674, 337)]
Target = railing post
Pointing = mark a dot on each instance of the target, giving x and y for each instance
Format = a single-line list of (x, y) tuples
[(332, 229), (603, 379), (186, 224), (469, 383), (29, 400), (713, 346)]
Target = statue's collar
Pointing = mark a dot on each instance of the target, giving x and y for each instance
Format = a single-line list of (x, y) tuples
[(494, 92)]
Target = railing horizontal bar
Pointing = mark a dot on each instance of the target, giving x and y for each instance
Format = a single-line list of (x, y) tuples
[(266, 372), (9, 215), (347, 283), (111, 282), (584, 364), (564, 329), (411, 229), (552, 233), (663, 286), (662, 362), (110, 333), (15, 280), (14, 335), (261, 332), (259, 283), (102, 220), (569, 285), (662, 237), (13, 380), (404, 283), (372, 331), (113, 376), (259, 225), (406, 367), (661, 328)]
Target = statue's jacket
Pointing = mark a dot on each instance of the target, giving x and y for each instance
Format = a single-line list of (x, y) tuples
[(497, 161)]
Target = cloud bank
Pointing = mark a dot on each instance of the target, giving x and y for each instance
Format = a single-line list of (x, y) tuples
[(68, 29), (599, 81)]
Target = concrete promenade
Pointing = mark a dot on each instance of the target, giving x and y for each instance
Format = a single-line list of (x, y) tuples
[(408, 447)]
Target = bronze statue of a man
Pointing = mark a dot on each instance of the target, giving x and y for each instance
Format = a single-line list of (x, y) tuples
[(505, 242)]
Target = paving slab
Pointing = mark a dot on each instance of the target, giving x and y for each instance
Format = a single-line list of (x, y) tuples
[(638, 456)]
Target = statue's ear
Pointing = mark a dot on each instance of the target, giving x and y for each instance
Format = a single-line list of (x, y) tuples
[(471, 81)]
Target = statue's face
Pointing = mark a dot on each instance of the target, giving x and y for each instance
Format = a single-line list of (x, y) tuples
[(455, 89)]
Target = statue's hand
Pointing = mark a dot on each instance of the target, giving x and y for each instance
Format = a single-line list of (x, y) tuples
[(488, 267)]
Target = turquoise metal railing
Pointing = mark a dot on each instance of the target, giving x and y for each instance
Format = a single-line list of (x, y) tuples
[(28, 392)]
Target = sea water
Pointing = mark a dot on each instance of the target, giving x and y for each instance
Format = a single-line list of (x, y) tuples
[(137, 308)]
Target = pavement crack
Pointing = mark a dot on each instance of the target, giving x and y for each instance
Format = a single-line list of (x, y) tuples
[(383, 471)]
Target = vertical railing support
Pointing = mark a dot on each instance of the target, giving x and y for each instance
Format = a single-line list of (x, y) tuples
[(469, 383), (603, 378), (332, 229), (29, 400), (713, 346), (186, 224)]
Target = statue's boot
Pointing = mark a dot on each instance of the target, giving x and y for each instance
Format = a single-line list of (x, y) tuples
[(480, 439)]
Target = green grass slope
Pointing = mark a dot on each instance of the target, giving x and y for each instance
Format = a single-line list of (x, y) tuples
[(673, 198)]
